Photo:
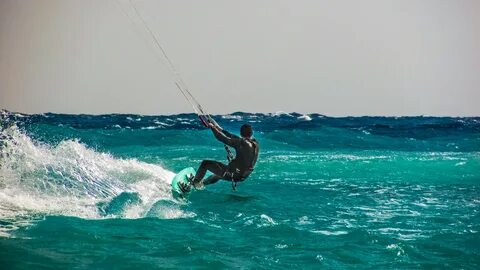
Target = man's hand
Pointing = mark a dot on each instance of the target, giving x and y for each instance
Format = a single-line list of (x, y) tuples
[(211, 125), (215, 126)]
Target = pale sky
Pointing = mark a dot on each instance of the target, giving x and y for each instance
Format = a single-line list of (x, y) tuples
[(370, 57)]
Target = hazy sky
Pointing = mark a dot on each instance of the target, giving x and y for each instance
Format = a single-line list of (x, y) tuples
[(371, 57)]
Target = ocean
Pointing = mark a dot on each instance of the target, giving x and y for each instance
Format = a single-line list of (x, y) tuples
[(93, 192)]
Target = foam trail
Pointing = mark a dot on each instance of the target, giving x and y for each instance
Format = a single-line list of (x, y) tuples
[(71, 179)]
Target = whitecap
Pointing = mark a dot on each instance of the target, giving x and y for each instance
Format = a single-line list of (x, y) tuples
[(304, 221), (324, 232), (267, 220), (281, 113), (151, 127), (396, 248), (232, 117), (304, 117)]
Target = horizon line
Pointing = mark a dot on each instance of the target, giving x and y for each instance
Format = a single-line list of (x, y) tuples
[(244, 112)]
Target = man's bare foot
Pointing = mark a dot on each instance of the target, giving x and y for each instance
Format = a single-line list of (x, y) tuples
[(198, 185)]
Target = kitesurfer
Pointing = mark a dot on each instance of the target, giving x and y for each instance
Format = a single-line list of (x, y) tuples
[(239, 168)]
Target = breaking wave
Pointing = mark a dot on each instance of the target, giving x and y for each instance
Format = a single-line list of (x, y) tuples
[(71, 179)]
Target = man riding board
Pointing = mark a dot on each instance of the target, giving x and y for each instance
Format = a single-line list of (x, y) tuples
[(239, 168)]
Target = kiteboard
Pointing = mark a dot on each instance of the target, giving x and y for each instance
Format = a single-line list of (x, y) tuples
[(182, 177)]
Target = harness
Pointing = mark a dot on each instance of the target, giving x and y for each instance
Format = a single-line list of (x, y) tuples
[(229, 153), (229, 174)]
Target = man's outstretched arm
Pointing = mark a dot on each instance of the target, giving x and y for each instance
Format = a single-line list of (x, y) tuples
[(228, 134), (224, 136)]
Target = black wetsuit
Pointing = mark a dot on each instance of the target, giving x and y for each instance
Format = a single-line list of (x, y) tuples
[(239, 168)]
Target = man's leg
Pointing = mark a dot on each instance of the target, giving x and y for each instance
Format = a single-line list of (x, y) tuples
[(217, 168), (212, 179)]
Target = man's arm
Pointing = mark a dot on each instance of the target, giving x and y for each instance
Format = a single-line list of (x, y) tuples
[(231, 140), (228, 134)]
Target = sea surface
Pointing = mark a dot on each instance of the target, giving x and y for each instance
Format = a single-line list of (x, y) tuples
[(93, 192)]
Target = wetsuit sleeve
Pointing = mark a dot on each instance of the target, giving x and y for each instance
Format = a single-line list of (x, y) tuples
[(228, 134), (230, 141)]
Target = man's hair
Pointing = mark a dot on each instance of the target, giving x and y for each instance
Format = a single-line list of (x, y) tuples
[(246, 130)]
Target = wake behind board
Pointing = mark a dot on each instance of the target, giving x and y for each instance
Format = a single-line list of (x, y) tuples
[(182, 177)]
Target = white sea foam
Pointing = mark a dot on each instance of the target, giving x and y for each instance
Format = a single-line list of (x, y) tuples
[(305, 117), (267, 221), (152, 127), (71, 179), (304, 220), (281, 113), (324, 232), (233, 117), (396, 248)]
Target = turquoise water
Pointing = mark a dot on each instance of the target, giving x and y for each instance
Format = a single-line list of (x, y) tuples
[(80, 191)]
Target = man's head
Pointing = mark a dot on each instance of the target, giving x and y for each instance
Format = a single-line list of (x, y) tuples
[(246, 131)]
